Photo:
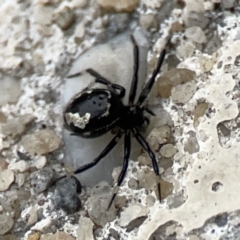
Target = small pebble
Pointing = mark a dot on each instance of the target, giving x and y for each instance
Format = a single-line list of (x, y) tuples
[(42, 14), (64, 17), (6, 179), (195, 34), (146, 178), (3, 118), (159, 136), (80, 3), (85, 229), (168, 150), (186, 49), (42, 225), (133, 184), (29, 215), (59, 235), (3, 164), (6, 223), (166, 189), (41, 142), (119, 5), (19, 166), (191, 145), (20, 179), (79, 32), (228, 4), (10, 90), (120, 201), (34, 236), (172, 78), (150, 200), (41, 179), (153, 3), (147, 21), (100, 196), (40, 162), (65, 195), (199, 111), (15, 127)]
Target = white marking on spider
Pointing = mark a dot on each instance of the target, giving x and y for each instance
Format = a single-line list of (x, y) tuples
[(77, 120), (109, 94)]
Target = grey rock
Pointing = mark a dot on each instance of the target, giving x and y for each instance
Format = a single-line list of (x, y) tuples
[(41, 179), (6, 223), (98, 204)]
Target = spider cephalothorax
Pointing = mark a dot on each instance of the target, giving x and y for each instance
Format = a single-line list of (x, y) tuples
[(94, 112)]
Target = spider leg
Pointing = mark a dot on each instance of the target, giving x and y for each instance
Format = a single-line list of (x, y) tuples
[(133, 89), (148, 111), (127, 149), (102, 80), (146, 147), (147, 120), (151, 81), (106, 150)]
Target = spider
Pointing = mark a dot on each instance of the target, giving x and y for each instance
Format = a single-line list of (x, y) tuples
[(94, 112)]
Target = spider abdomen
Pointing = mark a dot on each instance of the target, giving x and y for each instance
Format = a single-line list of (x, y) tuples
[(93, 112)]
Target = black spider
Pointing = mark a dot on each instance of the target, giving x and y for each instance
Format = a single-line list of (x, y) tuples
[(94, 112)]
